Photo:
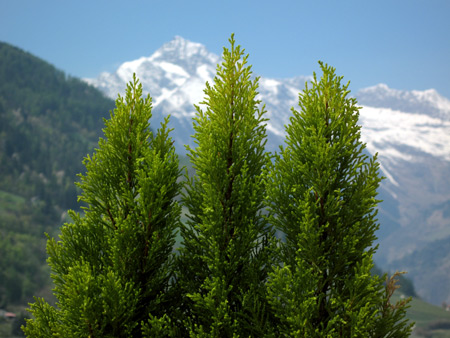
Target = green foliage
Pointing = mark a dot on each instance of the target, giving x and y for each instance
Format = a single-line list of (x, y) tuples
[(112, 266), (391, 318), (322, 193), (225, 256)]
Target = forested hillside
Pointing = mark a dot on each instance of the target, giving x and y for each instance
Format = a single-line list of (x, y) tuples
[(48, 123)]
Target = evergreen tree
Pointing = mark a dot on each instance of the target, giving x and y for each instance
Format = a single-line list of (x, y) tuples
[(322, 193), (112, 265), (225, 258)]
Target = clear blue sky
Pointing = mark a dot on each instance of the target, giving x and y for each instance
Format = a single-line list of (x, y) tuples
[(403, 43)]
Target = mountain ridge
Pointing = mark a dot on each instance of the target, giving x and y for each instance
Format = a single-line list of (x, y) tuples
[(414, 101), (176, 83)]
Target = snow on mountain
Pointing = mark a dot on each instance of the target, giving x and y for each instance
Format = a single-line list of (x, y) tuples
[(428, 101), (409, 129), (419, 132), (279, 96), (174, 76), (404, 126), (179, 69)]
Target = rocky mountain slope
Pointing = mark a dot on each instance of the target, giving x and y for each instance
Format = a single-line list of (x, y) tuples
[(410, 130)]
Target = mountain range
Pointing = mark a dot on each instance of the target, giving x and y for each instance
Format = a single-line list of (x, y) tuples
[(410, 131)]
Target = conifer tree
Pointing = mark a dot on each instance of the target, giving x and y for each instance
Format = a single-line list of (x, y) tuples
[(112, 265), (225, 257), (322, 194)]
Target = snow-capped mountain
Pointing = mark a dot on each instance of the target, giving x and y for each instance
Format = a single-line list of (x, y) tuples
[(415, 101), (175, 77), (410, 130), (179, 69)]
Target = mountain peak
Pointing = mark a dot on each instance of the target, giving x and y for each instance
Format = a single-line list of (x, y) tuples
[(175, 64), (182, 49)]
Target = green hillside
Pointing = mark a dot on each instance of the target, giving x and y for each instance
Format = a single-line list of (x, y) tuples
[(48, 123), (431, 320)]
